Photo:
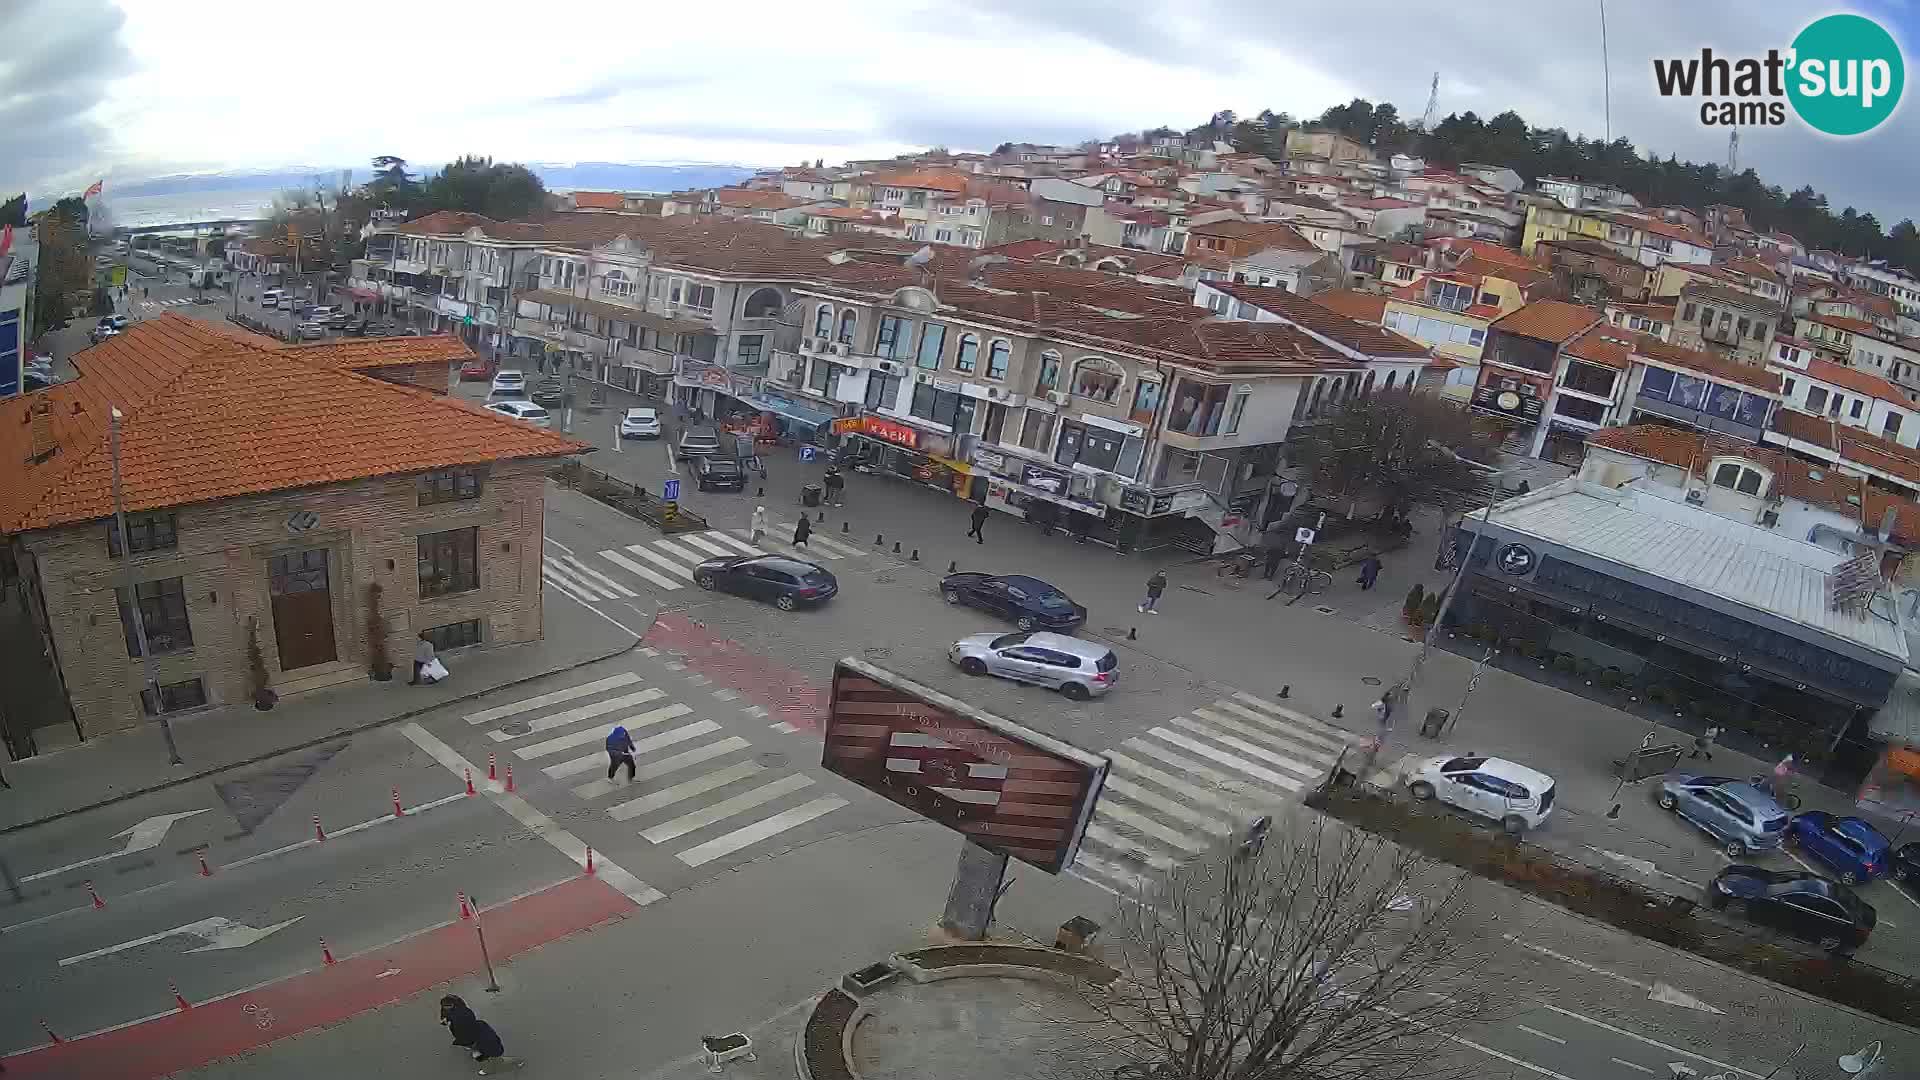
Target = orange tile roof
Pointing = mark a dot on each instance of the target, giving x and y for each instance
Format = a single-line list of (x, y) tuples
[(1655, 442), (444, 223), (210, 417), (1842, 322), (1548, 320), (1371, 340), (1906, 520), (1794, 477), (1712, 365), (349, 355), (1602, 344), (599, 200), (1354, 304), (1270, 233), (1856, 380), (749, 199), (936, 179)]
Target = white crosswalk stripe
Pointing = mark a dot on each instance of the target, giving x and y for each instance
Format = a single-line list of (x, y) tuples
[(595, 576), (668, 563), (684, 570), (696, 791), (1197, 779), (571, 580), (639, 571), (708, 546), (553, 579)]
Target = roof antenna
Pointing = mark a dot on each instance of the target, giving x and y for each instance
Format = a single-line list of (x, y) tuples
[(918, 262)]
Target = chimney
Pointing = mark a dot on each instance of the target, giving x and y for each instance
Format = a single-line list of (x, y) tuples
[(40, 419)]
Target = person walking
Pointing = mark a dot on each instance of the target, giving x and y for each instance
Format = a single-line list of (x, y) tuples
[(835, 484), (1275, 555), (801, 530), (422, 656), (619, 752), (1703, 742), (1782, 774), (470, 1032), (1369, 572), (758, 527), (980, 513), (1156, 585)]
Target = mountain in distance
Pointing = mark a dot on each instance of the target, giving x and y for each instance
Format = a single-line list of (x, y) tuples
[(559, 176)]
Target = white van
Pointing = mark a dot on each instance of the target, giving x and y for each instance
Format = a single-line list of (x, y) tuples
[(270, 298)]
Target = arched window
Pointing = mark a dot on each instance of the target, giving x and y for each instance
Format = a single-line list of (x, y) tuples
[(1368, 389), (997, 357), (1097, 378), (1313, 403), (823, 320), (1049, 374), (967, 355), (763, 304), (846, 326), (1390, 377), (616, 284)]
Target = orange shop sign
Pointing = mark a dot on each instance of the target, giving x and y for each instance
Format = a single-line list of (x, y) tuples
[(898, 434)]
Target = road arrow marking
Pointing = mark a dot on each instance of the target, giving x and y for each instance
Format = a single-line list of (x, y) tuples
[(146, 834), (1673, 995), (218, 932), (1658, 991)]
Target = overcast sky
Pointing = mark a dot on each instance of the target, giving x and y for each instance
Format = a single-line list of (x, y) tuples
[(133, 88)]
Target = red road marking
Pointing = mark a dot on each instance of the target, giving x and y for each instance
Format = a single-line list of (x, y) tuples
[(327, 995), (730, 664)]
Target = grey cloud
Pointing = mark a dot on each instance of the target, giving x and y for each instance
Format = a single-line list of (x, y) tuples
[(61, 56), (608, 89)]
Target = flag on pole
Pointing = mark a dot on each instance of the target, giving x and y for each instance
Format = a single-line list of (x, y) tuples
[(94, 190)]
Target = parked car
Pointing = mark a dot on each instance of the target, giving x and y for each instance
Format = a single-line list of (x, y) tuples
[(525, 411), (340, 319), (1796, 903), (476, 369), (696, 441), (1032, 604), (510, 381), (285, 303), (354, 329), (640, 423), (1855, 849), (719, 474), (101, 333), (313, 331), (117, 322), (549, 391), (271, 298), (1741, 814), (322, 313), (1078, 669), (1906, 863), (788, 583), (1517, 797)]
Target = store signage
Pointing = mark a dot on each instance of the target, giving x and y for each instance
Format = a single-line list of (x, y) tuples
[(1515, 560), (951, 386), (1136, 501), (987, 459), (846, 425), (887, 430), (715, 377), (1048, 480)]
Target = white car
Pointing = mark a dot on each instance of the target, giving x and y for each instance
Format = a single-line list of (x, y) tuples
[(525, 411), (1517, 797), (510, 382), (640, 424)]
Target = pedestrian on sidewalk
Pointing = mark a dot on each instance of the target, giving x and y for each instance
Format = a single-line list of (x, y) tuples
[(1369, 571), (619, 752), (757, 528), (834, 483), (980, 513), (1703, 743), (1156, 585), (801, 530), (1782, 773), (422, 656), (1275, 554), (470, 1032)]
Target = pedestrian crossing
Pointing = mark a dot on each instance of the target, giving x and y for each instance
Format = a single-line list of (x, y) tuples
[(176, 302), (697, 790), (1198, 779), (667, 564)]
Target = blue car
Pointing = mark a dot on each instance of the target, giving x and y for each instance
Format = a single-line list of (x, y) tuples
[(1852, 847)]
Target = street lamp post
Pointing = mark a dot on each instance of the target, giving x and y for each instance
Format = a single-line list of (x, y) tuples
[(151, 685)]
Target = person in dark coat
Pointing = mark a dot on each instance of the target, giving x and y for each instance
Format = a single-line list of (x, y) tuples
[(980, 513), (619, 752), (1369, 570), (469, 1031), (801, 530), (834, 483), (1275, 553)]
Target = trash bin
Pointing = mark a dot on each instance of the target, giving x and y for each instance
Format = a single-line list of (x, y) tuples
[(1434, 724), (810, 495)]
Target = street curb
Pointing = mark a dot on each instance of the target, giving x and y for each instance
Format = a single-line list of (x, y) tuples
[(176, 781)]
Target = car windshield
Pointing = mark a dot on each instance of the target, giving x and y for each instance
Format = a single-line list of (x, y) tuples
[(533, 412), (1463, 763), (1107, 662), (1006, 641)]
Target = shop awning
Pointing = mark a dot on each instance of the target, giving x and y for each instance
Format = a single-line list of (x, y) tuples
[(810, 417), (1096, 509)]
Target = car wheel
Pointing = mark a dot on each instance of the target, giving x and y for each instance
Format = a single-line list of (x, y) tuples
[(1735, 849), (704, 580), (1667, 801), (1830, 944), (784, 602), (952, 596), (1025, 622), (1514, 824), (1421, 790), (1902, 873), (1075, 692), (973, 665), (1848, 877)]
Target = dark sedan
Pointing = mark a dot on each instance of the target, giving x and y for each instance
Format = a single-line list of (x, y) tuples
[(1028, 602), (787, 583), (719, 474), (549, 392), (1796, 903), (1906, 863)]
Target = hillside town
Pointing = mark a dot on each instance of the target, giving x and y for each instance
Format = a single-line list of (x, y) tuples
[(737, 492)]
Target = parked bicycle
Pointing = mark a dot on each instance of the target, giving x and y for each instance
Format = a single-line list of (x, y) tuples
[(1299, 581)]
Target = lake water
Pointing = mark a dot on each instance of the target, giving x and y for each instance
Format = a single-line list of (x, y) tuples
[(145, 210)]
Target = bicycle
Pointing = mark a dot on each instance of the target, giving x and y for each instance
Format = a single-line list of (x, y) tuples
[(1299, 582)]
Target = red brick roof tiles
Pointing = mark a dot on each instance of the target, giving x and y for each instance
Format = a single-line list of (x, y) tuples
[(599, 200), (1371, 340), (1360, 306), (1548, 320), (1856, 380)]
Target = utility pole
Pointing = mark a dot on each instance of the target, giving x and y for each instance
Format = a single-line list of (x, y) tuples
[(150, 684)]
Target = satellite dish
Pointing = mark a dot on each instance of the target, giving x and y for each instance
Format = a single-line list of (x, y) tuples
[(921, 258), (979, 263), (1861, 1061)]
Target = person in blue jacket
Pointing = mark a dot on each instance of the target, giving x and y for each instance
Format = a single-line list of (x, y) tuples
[(619, 752)]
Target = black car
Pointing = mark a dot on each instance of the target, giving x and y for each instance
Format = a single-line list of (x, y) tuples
[(1796, 903), (1906, 863), (549, 392), (1031, 604), (355, 329), (719, 474), (789, 583)]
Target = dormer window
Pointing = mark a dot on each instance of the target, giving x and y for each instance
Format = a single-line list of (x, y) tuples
[(1740, 476)]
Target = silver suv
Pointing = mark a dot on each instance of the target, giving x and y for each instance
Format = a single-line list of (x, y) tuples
[(1079, 669), (1739, 813)]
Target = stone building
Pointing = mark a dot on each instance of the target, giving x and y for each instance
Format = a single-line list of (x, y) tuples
[(268, 491)]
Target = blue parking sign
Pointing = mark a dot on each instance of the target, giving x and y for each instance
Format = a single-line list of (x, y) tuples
[(672, 492), (806, 453)]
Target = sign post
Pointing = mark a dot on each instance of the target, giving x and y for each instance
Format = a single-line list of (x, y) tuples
[(670, 494)]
